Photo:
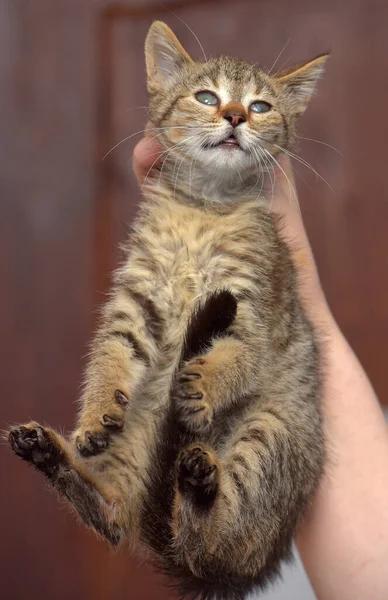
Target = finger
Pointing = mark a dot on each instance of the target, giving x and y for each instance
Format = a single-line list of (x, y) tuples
[(145, 156)]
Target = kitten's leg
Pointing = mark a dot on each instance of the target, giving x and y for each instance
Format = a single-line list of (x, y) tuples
[(125, 346), (97, 497), (228, 371), (238, 506), (111, 379), (198, 475)]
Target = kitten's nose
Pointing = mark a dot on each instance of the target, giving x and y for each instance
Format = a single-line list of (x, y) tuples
[(235, 117)]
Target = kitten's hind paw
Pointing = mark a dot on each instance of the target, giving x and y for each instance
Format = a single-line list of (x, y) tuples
[(38, 446), (198, 473)]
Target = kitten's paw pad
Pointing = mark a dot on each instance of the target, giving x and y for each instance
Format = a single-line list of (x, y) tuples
[(198, 471), (191, 397), (34, 444)]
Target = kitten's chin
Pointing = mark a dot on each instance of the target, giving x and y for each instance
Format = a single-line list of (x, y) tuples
[(223, 157)]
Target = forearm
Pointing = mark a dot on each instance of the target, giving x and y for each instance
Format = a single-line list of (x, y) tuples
[(343, 540)]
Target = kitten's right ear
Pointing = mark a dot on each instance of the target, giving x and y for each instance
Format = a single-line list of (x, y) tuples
[(165, 56), (300, 81)]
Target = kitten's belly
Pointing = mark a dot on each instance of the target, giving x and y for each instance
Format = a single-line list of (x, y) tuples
[(192, 278), (184, 255), (202, 270), (184, 278)]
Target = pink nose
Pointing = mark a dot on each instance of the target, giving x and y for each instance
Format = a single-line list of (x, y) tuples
[(235, 117)]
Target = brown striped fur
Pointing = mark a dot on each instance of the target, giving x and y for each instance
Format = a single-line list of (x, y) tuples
[(199, 433)]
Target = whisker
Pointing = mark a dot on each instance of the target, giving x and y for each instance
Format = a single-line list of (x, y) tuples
[(196, 37), (296, 157), (261, 157), (191, 177), (198, 141), (259, 160), (262, 178), (279, 55), (271, 174), (261, 175), (168, 150), (142, 131), (290, 186), (306, 164), (162, 167), (319, 142), (281, 67), (300, 176), (177, 173), (159, 154)]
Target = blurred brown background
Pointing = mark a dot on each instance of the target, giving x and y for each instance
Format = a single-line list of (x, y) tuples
[(71, 83)]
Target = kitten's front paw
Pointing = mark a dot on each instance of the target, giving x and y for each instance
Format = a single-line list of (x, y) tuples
[(191, 397), (93, 436), (39, 446)]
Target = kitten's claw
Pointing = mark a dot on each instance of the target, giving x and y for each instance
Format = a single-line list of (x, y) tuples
[(91, 443), (38, 446), (121, 399), (190, 395), (198, 472), (93, 437), (112, 421)]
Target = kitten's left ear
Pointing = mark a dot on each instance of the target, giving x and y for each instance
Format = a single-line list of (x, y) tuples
[(300, 81), (165, 55)]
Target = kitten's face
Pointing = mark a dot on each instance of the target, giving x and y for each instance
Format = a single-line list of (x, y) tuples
[(225, 114)]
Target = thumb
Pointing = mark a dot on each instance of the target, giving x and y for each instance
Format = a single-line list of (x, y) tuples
[(145, 156)]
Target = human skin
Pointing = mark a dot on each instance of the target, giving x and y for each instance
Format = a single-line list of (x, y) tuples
[(343, 538)]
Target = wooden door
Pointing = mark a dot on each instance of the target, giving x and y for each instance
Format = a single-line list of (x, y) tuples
[(72, 83)]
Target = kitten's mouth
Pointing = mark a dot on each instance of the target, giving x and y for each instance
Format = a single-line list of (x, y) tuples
[(229, 143)]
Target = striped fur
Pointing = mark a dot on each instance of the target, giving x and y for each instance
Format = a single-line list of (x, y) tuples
[(199, 435)]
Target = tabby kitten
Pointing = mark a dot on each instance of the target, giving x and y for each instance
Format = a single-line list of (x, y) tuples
[(199, 434)]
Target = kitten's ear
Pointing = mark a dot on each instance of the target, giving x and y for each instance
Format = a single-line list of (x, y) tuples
[(300, 81), (164, 54)]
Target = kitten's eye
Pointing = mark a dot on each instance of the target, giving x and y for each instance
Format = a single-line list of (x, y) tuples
[(207, 98), (260, 107)]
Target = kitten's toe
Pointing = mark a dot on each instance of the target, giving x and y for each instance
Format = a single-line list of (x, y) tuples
[(191, 399), (121, 398), (198, 472), (194, 413), (114, 422), (90, 443), (37, 445), (93, 436), (22, 441)]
